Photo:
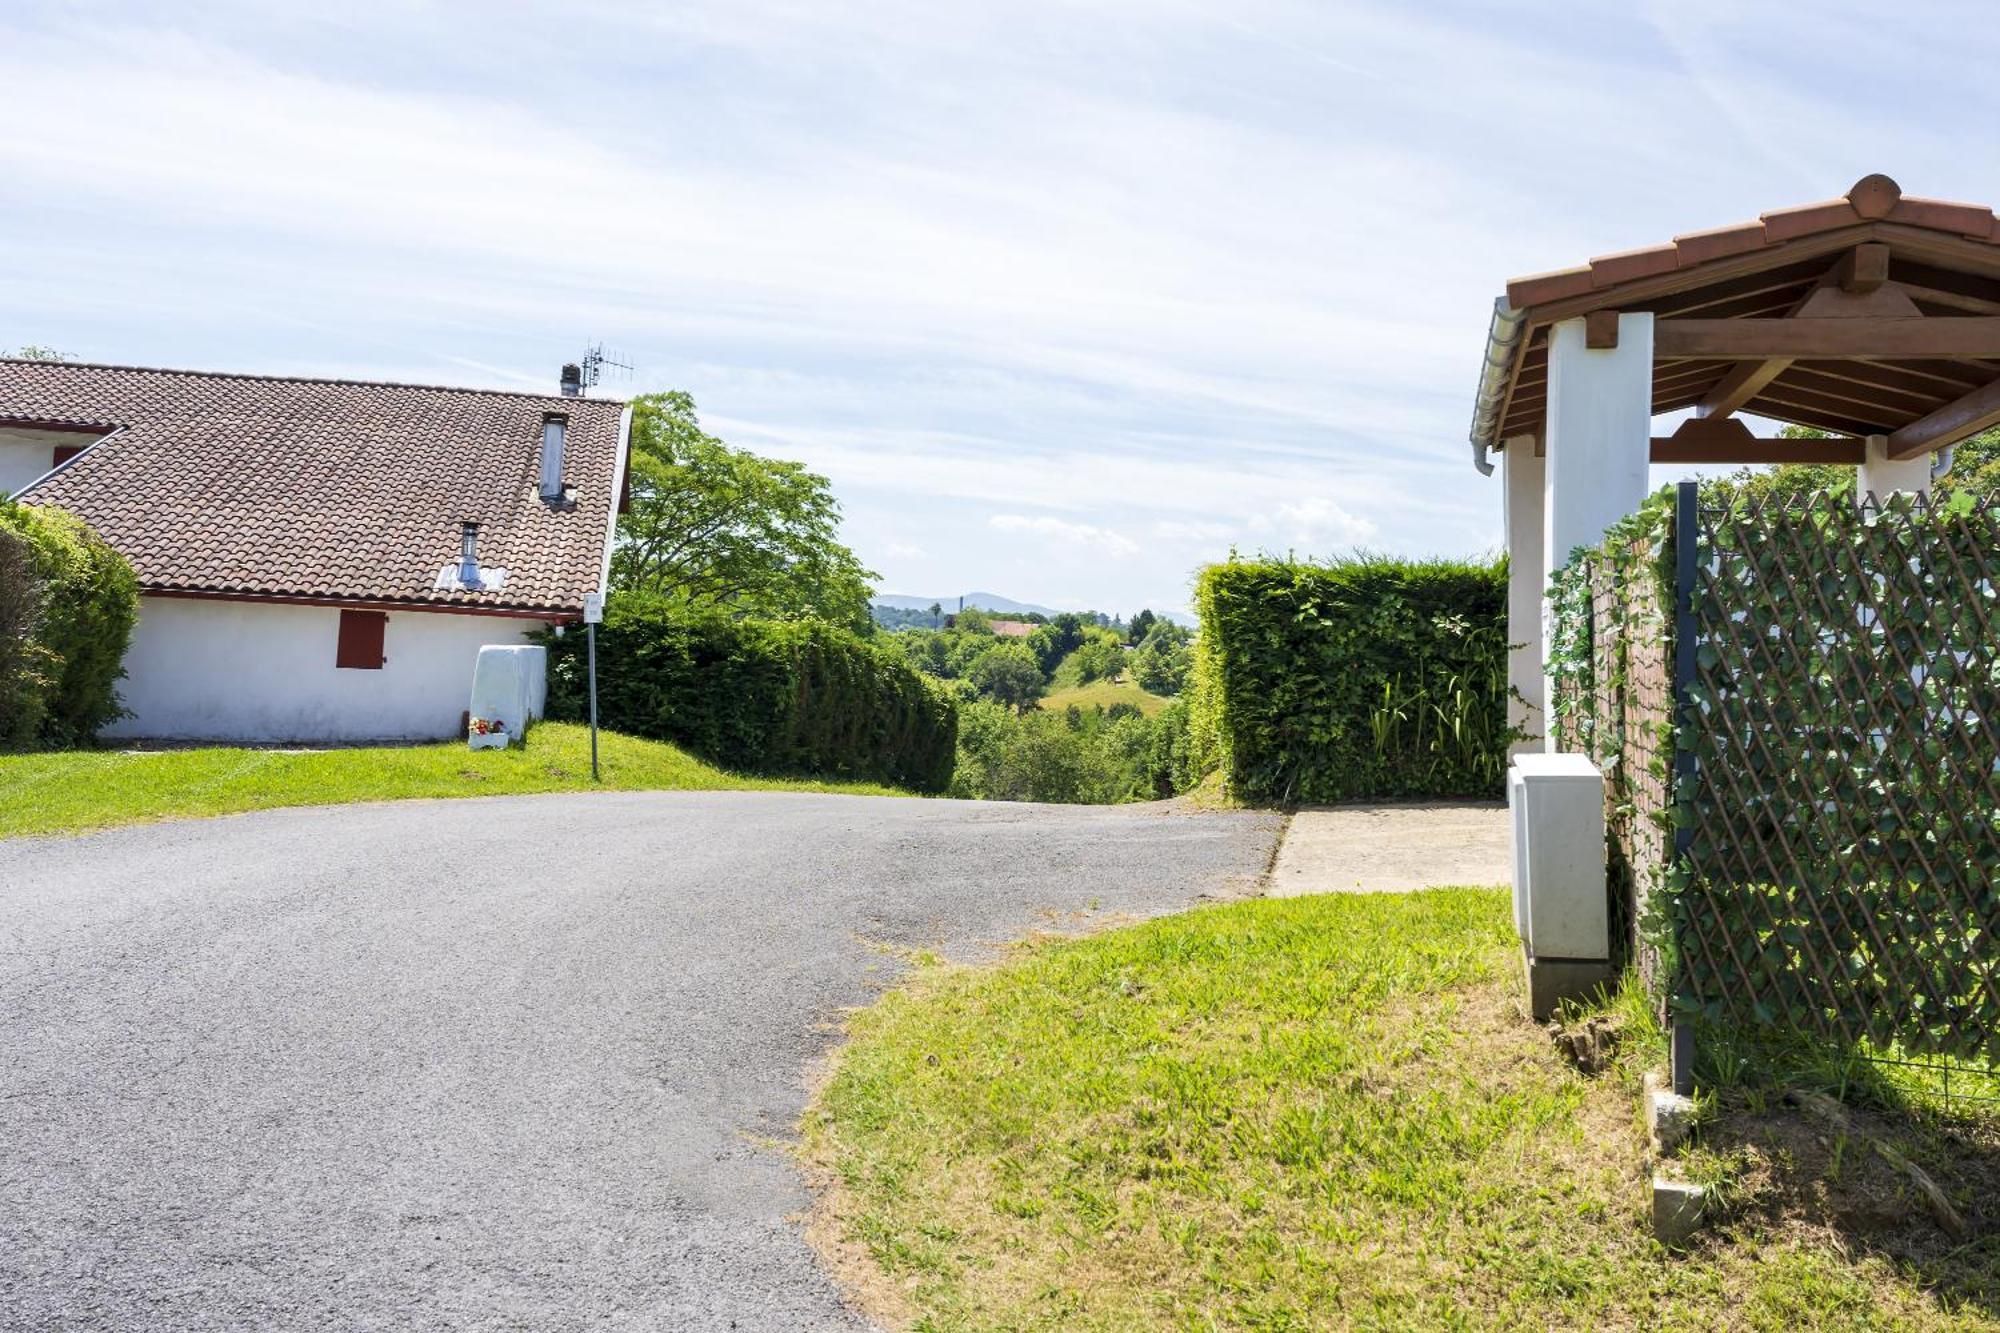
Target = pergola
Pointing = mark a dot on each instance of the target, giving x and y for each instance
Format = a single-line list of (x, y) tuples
[(1873, 316)]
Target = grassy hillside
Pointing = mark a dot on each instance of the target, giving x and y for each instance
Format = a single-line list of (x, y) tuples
[(1103, 694), (77, 790)]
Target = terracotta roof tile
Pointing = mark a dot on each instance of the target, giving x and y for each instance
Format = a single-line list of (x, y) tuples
[(325, 488), (1698, 247), (1629, 264), (1944, 215), (1539, 287), (1785, 224)]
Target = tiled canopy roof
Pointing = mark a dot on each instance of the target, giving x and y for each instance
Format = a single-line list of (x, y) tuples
[(1945, 256), (252, 485)]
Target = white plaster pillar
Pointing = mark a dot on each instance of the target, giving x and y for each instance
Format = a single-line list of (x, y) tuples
[(1527, 581), (1598, 437), (1884, 475)]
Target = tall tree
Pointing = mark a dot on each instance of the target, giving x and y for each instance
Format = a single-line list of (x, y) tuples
[(714, 526)]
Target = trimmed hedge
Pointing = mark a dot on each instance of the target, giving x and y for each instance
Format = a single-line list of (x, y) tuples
[(759, 696), (1355, 679), (71, 605)]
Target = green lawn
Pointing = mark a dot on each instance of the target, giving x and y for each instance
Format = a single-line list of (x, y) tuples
[(76, 790), (1288, 1114), (1103, 694)]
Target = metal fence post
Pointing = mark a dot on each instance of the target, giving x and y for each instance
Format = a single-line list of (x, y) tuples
[(1687, 539), (590, 634)]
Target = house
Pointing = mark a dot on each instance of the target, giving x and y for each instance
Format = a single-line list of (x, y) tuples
[(319, 560)]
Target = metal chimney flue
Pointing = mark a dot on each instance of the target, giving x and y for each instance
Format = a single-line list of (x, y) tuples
[(572, 381), (468, 554)]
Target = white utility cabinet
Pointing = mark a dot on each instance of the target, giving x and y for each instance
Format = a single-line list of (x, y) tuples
[(1562, 905)]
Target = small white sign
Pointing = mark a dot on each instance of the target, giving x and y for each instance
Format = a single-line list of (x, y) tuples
[(593, 608)]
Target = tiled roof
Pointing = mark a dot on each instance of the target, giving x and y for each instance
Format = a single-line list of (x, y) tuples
[(1942, 257), (1874, 198), (345, 489)]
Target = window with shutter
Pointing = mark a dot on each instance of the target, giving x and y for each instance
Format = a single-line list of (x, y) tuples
[(361, 635)]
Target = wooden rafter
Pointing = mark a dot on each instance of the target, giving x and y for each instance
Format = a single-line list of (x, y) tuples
[(1740, 385), (1955, 421)]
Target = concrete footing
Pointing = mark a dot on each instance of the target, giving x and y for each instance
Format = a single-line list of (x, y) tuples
[(1678, 1210), (1553, 980), (1669, 1116)]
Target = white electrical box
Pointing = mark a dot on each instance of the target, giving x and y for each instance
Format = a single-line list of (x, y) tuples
[(1562, 904)]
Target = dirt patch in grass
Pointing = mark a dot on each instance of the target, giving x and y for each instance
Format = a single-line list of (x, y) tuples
[(1780, 1169), (1304, 1113)]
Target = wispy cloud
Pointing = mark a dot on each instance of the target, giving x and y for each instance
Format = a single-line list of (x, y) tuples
[(1062, 533)]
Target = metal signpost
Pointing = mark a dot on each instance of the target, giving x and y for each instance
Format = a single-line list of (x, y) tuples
[(593, 612)]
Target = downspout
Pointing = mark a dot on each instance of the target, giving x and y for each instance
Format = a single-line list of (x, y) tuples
[(1503, 337), (1941, 462)]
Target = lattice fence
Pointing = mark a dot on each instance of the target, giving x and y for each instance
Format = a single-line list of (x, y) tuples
[(1619, 712), (1822, 827), (1844, 817)]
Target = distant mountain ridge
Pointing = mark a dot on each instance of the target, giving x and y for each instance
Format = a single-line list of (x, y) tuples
[(985, 601)]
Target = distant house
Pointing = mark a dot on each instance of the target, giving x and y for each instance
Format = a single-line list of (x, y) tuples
[(319, 560)]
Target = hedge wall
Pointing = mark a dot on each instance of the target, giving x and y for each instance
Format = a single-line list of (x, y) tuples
[(761, 696), (1355, 679), (67, 606)]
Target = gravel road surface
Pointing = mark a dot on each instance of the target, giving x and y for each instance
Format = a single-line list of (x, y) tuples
[(518, 1063)]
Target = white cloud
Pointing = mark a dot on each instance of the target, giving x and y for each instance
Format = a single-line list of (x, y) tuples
[(1063, 533), (1316, 525)]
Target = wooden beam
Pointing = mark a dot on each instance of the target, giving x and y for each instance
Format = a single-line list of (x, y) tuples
[(1944, 336), (1949, 424), (1727, 440), (1863, 269), (1883, 301), (1600, 330), (1740, 385)]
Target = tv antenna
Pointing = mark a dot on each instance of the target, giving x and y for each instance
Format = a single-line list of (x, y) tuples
[(593, 363)]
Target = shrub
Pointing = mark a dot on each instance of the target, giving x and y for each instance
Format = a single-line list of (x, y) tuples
[(87, 600), (1095, 755), (1354, 679), (25, 665), (777, 697)]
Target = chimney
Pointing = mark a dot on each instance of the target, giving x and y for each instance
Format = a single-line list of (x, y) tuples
[(468, 554), (554, 427), (572, 381)]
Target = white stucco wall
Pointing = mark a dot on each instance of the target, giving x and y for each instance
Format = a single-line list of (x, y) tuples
[(249, 671), (26, 453)]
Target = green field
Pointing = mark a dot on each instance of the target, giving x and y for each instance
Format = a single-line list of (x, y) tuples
[(76, 790), (1103, 694), (1311, 1113)]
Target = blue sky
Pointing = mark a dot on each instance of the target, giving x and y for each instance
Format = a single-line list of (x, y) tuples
[(1066, 299)]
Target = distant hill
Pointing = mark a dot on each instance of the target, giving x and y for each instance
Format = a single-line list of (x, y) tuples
[(985, 601)]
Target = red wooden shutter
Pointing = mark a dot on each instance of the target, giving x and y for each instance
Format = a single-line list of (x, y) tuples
[(361, 640), (65, 452)]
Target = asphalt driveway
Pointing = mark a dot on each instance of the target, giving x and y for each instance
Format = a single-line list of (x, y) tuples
[(510, 1063)]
